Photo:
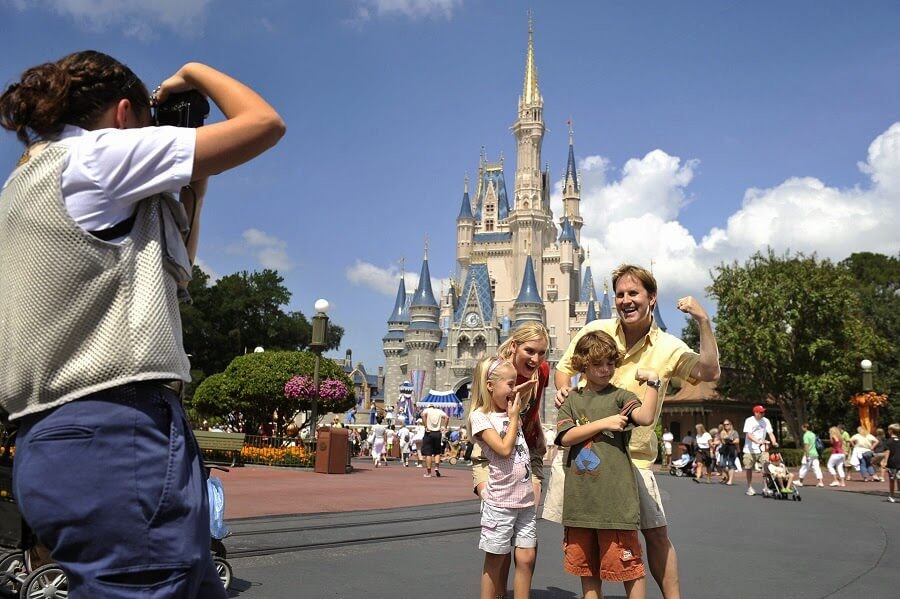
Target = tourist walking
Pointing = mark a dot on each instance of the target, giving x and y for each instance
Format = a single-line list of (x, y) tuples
[(379, 442), (702, 456), (507, 509), (756, 430), (863, 443), (667, 438), (810, 457), (836, 461), (432, 444), (729, 439), (644, 345), (893, 458)]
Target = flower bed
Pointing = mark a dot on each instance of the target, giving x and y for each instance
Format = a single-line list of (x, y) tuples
[(276, 451)]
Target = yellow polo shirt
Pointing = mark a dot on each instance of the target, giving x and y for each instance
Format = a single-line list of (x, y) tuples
[(663, 353)]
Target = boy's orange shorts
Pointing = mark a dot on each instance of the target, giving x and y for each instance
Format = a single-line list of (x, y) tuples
[(613, 555)]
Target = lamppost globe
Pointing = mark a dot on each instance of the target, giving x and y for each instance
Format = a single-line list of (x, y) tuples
[(259, 349), (866, 364), (322, 306)]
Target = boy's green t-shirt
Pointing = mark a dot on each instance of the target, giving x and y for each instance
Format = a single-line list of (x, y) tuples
[(600, 489), (809, 438)]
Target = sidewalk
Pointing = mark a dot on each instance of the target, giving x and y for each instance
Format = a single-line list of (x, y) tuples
[(252, 491)]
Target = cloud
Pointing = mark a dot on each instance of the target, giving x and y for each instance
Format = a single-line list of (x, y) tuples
[(412, 9), (268, 250), (634, 217), (135, 18), (386, 280)]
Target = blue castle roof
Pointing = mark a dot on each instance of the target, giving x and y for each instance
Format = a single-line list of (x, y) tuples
[(400, 314), (588, 290), (493, 236), (496, 178), (605, 309), (591, 312), (658, 317), (568, 232), (465, 210), (424, 295), (529, 293), (478, 281), (570, 167)]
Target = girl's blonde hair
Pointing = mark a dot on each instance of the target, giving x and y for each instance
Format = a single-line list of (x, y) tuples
[(700, 428), (527, 331), (487, 369), (835, 433)]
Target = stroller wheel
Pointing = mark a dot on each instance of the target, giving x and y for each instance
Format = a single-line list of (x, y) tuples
[(47, 581), (223, 569), (12, 572)]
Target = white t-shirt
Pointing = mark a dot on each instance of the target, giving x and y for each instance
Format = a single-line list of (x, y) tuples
[(434, 419), (759, 429), (667, 440), (703, 441), (108, 171), (405, 438)]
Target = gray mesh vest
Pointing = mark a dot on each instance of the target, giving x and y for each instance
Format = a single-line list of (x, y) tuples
[(77, 314)]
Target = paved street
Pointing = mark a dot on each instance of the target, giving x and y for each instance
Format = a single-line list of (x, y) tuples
[(832, 544)]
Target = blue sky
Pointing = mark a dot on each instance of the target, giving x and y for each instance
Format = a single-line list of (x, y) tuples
[(704, 131)]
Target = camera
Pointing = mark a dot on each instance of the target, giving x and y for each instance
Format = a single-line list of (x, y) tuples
[(187, 109)]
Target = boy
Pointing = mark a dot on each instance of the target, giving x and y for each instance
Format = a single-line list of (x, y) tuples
[(784, 479), (601, 509), (405, 437), (892, 459)]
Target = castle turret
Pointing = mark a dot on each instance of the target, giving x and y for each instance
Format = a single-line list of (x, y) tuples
[(465, 230), (591, 312), (529, 222), (571, 192), (423, 333), (567, 246), (529, 305), (588, 290), (657, 317), (392, 344)]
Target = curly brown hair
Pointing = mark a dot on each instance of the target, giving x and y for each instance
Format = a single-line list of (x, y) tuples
[(74, 90), (595, 347)]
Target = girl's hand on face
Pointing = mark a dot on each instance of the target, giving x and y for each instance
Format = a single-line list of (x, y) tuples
[(524, 386)]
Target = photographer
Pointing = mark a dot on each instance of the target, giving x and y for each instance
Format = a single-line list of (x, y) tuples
[(93, 247)]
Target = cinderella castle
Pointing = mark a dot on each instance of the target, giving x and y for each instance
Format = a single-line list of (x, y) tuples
[(515, 262)]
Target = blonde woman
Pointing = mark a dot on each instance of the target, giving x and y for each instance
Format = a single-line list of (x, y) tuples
[(836, 461)]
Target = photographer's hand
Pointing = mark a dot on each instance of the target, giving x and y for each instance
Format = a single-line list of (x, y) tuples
[(251, 127)]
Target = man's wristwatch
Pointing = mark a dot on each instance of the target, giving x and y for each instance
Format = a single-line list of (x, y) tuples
[(655, 384)]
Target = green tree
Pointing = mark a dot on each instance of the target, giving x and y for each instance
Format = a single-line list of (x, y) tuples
[(238, 313), (690, 334), (253, 384), (795, 333), (877, 284)]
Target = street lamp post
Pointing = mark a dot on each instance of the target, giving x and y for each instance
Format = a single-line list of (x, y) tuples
[(317, 346), (866, 366)]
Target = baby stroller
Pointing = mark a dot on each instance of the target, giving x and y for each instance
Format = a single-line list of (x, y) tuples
[(683, 466), (217, 529), (770, 485)]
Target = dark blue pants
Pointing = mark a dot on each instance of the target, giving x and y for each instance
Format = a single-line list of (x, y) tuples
[(113, 485)]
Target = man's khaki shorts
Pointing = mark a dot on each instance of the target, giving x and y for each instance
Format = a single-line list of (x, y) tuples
[(652, 513), (752, 459)]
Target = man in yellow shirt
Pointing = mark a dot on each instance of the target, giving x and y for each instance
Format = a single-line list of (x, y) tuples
[(644, 345)]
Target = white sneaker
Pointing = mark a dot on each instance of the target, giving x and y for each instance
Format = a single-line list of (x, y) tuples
[(892, 500), (750, 491), (797, 483)]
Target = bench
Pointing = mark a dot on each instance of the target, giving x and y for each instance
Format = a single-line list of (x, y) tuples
[(224, 442)]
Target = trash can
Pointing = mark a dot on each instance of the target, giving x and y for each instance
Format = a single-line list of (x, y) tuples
[(332, 450)]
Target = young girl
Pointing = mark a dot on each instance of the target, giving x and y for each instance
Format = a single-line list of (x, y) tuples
[(379, 442), (836, 461), (508, 516)]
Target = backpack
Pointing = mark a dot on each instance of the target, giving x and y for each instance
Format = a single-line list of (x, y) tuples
[(820, 447)]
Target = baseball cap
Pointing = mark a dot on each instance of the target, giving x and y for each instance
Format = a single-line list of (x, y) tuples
[(758, 409)]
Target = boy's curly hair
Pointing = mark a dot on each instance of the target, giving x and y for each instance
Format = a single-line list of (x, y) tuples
[(595, 347)]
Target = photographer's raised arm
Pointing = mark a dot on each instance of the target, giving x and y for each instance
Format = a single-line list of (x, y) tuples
[(251, 127)]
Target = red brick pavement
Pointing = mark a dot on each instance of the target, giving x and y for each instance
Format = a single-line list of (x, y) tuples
[(264, 491)]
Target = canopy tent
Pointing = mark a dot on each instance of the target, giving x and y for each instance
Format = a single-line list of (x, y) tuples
[(443, 400)]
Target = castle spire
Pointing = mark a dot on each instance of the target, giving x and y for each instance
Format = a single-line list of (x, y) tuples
[(571, 171), (530, 91)]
